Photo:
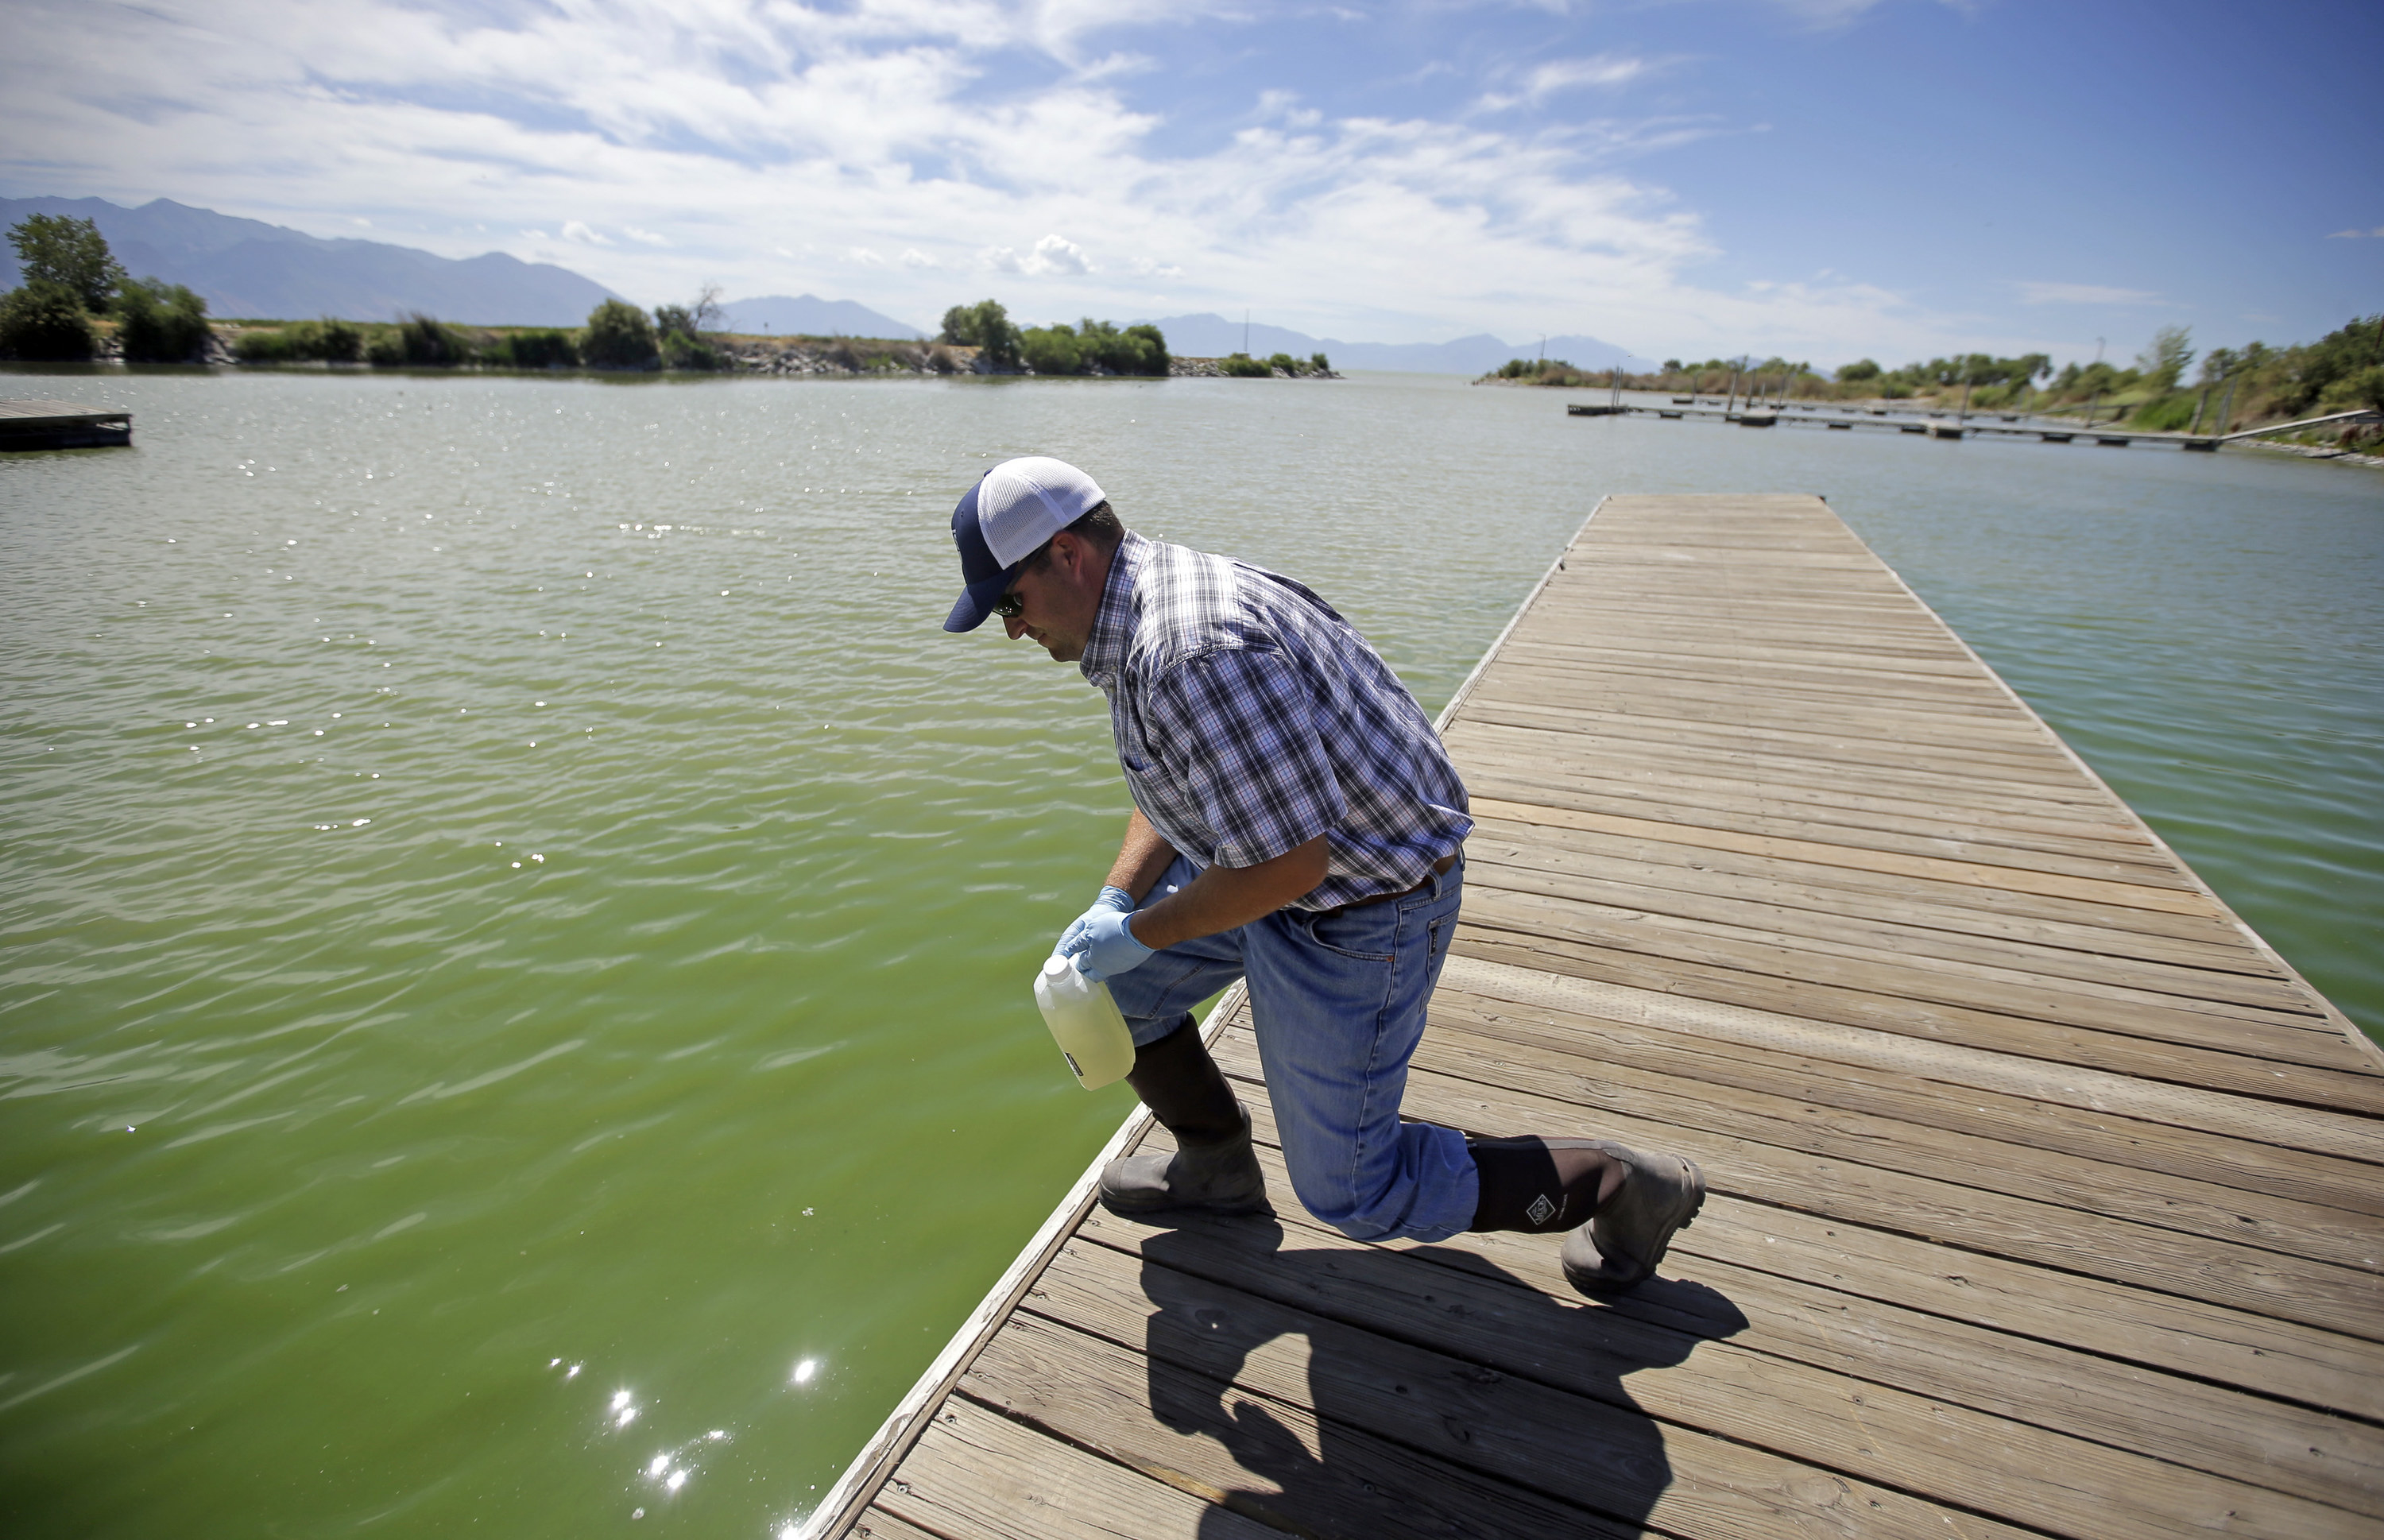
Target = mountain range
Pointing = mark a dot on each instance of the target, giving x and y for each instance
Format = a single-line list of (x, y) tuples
[(248, 267), (1211, 336), (810, 315)]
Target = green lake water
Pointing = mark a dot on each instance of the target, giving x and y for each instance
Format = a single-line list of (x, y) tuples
[(515, 923)]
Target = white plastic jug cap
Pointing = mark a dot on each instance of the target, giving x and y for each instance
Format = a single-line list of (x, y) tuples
[(1055, 965)]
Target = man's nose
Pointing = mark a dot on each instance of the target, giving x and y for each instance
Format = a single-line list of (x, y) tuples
[(1014, 625)]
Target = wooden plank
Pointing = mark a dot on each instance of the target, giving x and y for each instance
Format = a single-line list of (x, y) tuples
[(979, 1476), (2279, 1359), (1917, 1143), (1825, 893), (1652, 779), (1579, 729), (1750, 808), (2105, 1117), (1443, 1087), (2187, 1422), (1557, 1442), (1969, 865), (875, 1523), (1561, 1377), (1802, 920), (1936, 975), (1924, 982), (1593, 851), (2115, 1053), (1126, 1395)]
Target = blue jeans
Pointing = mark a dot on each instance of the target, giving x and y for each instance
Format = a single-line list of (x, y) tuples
[(1338, 1005)]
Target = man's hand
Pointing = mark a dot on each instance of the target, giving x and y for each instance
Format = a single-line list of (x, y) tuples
[(1106, 946), (1113, 900)]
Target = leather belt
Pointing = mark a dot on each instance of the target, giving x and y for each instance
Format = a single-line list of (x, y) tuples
[(1439, 868)]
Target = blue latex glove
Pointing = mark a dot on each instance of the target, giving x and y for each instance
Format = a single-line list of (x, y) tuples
[(1113, 900), (1106, 946)]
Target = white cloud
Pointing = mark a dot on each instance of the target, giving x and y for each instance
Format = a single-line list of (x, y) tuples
[(1056, 253), (1053, 253), (2358, 234), (2082, 293), (1558, 75), (777, 142)]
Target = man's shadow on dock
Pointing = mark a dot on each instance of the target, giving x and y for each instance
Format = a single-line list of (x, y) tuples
[(1449, 1396)]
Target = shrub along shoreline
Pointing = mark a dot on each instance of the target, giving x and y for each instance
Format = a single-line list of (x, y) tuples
[(79, 305), (2237, 388)]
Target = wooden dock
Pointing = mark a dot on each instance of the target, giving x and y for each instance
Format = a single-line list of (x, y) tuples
[(2045, 1198), (61, 425)]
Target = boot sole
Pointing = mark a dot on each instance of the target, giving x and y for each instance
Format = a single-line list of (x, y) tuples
[(1128, 1210), (1596, 1283)]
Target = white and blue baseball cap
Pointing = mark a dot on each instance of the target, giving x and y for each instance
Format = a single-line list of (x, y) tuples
[(1005, 518)]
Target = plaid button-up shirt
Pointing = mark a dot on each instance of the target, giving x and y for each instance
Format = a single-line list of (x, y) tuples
[(1250, 718)]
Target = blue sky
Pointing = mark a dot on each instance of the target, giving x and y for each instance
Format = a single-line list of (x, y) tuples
[(1824, 179)]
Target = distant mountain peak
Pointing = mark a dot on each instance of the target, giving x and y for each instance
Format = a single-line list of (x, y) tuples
[(810, 315), (251, 268), (1208, 335)]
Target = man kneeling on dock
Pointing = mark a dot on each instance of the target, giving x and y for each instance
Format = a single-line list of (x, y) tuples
[(1297, 824)]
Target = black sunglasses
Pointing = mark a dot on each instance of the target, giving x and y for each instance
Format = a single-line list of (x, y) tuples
[(1011, 605)]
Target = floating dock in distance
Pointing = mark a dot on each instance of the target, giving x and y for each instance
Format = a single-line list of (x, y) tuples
[(1931, 424), (2045, 1199), (61, 425)]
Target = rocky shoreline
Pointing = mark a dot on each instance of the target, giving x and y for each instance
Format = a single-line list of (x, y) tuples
[(851, 356)]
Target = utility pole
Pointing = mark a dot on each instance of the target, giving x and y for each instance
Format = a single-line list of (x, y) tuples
[(1245, 332)]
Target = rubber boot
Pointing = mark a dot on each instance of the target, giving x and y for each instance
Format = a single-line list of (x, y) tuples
[(1619, 1247), (1214, 1168), (1540, 1186)]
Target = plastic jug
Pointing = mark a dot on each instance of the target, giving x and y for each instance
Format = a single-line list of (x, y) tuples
[(1085, 1022)]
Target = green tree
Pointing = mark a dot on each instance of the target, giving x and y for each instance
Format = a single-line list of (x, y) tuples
[(44, 321), (1243, 366), (986, 327), (2165, 358), (422, 341), (618, 337), (1283, 362), (1860, 369), (161, 323), (69, 252), (539, 349), (1052, 350), (338, 342), (1320, 364)]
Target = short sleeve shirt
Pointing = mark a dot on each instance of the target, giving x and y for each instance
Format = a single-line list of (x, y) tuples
[(1250, 718)]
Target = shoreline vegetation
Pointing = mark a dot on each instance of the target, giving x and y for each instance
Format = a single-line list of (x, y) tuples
[(77, 304), (2237, 389)]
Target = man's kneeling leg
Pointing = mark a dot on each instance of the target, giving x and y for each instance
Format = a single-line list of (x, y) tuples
[(1214, 1168)]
